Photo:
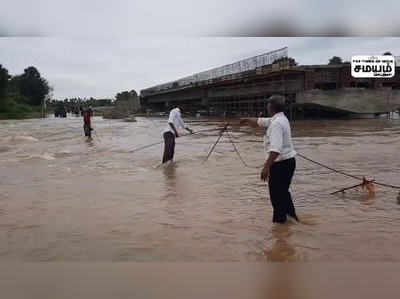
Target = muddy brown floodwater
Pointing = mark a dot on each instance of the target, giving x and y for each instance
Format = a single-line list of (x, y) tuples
[(66, 199)]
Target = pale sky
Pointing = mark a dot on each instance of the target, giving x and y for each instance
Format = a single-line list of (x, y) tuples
[(124, 18), (98, 48), (101, 67)]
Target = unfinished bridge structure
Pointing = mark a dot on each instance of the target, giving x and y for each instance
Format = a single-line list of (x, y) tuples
[(243, 87)]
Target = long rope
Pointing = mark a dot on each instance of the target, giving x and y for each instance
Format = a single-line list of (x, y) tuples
[(330, 168), (312, 161), (387, 185), (352, 187), (238, 153), (144, 147), (216, 142), (224, 130), (346, 174), (157, 143)]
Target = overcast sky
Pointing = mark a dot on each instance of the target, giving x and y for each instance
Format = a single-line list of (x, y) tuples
[(98, 48), (124, 18), (101, 67)]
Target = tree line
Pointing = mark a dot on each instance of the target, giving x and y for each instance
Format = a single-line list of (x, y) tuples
[(126, 99), (24, 92), (338, 60), (76, 104), (335, 60)]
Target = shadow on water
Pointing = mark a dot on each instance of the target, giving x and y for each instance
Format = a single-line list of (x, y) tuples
[(169, 172), (89, 142)]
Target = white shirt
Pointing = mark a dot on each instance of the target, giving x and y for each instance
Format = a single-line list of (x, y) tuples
[(176, 119), (278, 136)]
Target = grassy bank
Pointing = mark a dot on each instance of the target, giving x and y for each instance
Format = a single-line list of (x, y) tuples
[(14, 110), (5, 115)]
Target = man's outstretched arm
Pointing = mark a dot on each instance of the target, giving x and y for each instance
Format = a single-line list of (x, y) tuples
[(254, 122)]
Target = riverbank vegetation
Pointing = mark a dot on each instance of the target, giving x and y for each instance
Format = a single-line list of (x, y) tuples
[(21, 96), (122, 106)]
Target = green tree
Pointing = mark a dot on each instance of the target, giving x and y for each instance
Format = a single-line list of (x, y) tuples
[(127, 101), (290, 61), (122, 96), (32, 86), (335, 60), (4, 77)]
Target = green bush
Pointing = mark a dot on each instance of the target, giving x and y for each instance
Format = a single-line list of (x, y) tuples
[(11, 109), (17, 107)]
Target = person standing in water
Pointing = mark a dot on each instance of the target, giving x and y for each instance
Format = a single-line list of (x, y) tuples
[(87, 125), (171, 132), (280, 163)]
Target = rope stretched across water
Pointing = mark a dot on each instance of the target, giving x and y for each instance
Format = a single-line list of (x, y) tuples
[(157, 143), (216, 142), (330, 168), (224, 130), (347, 174), (312, 161), (238, 153), (145, 146)]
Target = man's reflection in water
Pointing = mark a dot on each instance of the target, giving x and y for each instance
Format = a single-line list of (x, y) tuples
[(287, 279), (176, 197), (281, 250), (169, 172)]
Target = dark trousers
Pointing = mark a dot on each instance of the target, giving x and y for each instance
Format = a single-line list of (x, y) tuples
[(169, 146), (280, 177), (88, 130)]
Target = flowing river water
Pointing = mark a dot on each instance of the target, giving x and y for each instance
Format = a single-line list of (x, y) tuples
[(63, 198)]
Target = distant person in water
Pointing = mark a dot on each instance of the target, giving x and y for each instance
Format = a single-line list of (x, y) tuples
[(87, 125), (280, 163), (171, 132)]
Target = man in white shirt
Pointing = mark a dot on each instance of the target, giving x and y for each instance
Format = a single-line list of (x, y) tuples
[(280, 162), (171, 132)]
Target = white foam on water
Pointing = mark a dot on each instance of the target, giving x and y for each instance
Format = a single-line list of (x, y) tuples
[(165, 165), (63, 153), (14, 139), (157, 165), (45, 156)]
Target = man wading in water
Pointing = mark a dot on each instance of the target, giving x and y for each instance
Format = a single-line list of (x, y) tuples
[(171, 132), (87, 127), (281, 163)]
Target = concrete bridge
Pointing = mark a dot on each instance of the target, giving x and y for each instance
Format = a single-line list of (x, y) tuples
[(329, 88), (353, 100)]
